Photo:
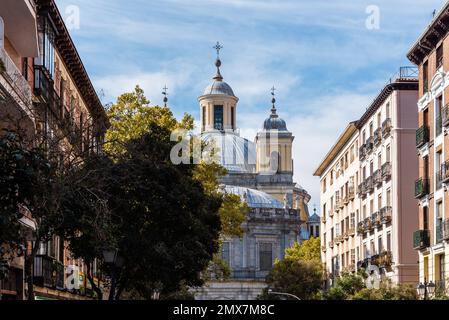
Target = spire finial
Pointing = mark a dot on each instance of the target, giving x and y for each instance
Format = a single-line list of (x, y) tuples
[(273, 100), (218, 76), (165, 93)]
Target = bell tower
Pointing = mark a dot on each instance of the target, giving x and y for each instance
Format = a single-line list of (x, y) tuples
[(218, 104), (274, 145)]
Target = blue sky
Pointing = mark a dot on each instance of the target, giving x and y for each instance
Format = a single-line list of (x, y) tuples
[(324, 61)]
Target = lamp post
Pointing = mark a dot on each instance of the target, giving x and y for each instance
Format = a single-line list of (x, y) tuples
[(270, 291), (425, 289), (114, 260)]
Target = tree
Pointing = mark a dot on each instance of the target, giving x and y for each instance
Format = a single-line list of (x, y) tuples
[(346, 285), (301, 278), (309, 250), (27, 187)]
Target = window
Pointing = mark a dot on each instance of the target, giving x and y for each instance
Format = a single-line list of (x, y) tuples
[(389, 198), (352, 155), (46, 47), (371, 168), (425, 219), (379, 160), (371, 206), (372, 247), (439, 61), (364, 211), (324, 185), (324, 210), (204, 118), (363, 137), (371, 129), (388, 241), (379, 201), (25, 68), (379, 120), (226, 252), (380, 247), (232, 118), (425, 72), (265, 256), (218, 117), (388, 153), (439, 222), (387, 110)]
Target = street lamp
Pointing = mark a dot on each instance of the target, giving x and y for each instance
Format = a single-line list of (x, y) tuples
[(425, 289), (114, 260), (270, 291)]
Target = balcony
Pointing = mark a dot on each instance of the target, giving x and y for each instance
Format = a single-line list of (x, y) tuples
[(369, 226), (362, 152), (351, 192), (361, 227), (439, 231), (421, 239), (386, 214), (14, 77), (422, 136), (19, 18), (386, 171), (445, 172), (346, 235), (439, 179), (377, 176), (377, 137), (48, 272), (376, 220), (369, 184), (446, 229), (339, 238), (421, 188), (386, 259), (369, 145), (361, 190), (386, 127), (338, 204), (331, 244), (445, 115)]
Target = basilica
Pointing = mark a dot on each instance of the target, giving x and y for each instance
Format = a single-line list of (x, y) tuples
[(261, 173)]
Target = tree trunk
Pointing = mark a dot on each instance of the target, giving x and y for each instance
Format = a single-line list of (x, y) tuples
[(92, 282)]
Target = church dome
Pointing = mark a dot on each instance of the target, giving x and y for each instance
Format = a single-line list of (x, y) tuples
[(275, 123), (219, 87), (255, 198), (236, 154)]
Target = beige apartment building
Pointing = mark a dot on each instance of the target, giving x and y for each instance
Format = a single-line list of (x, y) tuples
[(431, 54), (375, 155)]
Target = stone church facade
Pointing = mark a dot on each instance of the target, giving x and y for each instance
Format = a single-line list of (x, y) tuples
[(261, 173)]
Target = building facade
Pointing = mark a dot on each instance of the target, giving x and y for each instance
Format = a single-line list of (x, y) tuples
[(46, 94), (370, 230), (261, 173), (431, 54)]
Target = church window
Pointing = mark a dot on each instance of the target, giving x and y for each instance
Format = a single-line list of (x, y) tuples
[(265, 256), (232, 118), (274, 162), (218, 117)]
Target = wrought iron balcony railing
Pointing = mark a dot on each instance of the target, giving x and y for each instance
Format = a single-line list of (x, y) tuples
[(15, 78), (361, 190), (368, 224), (445, 172), (421, 239), (377, 176), (375, 219), (369, 184), (48, 272), (351, 192), (439, 175), (362, 152), (386, 171), (369, 145), (421, 188), (439, 231), (361, 227), (422, 136), (386, 214), (386, 127), (377, 136)]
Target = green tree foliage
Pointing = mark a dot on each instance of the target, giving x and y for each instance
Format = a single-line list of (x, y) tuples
[(303, 279), (309, 250), (165, 226), (347, 284)]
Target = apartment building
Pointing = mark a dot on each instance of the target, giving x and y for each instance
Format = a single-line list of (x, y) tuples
[(431, 54), (339, 206), (46, 93), (371, 230)]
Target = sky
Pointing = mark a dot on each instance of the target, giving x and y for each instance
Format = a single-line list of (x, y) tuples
[(327, 59)]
